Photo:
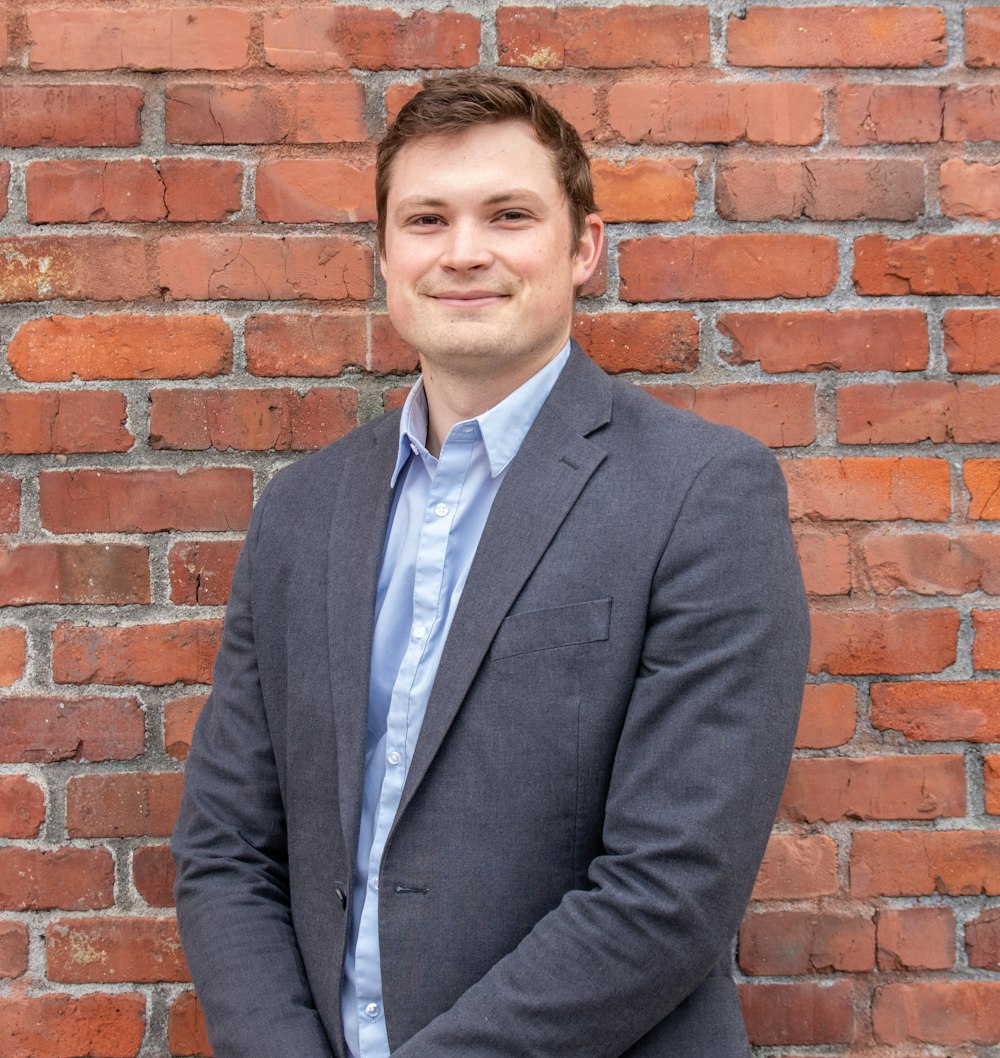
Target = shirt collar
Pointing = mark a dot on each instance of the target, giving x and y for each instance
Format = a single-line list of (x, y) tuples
[(502, 428)]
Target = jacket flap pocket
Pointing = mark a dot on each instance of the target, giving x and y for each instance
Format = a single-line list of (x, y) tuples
[(555, 626)]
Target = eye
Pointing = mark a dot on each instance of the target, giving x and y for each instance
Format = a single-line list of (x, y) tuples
[(425, 220), (514, 215)]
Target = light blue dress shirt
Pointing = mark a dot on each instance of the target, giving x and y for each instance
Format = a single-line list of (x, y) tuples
[(439, 511)]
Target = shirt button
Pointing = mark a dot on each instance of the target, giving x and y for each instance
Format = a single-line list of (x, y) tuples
[(394, 756), (419, 632), (441, 510), (372, 1010)]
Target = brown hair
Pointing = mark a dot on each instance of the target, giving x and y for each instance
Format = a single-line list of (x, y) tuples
[(456, 102)]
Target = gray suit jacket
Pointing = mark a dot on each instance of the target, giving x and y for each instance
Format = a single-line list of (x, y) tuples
[(597, 773)]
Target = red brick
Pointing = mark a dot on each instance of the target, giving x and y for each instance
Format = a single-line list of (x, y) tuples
[(901, 787), (916, 938), (62, 1026), (89, 268), (153, 654), (802, 942), (970, 189), (777, 415), (982, 940), (187, 1034), (943, 1012), (102, 574), (201, 188), (266, 113), (982, 36), (858, 642), (392, 399), (970, 114), (262, 267), (972, 340), (59, 348), (713, 267), (13, 949), (982, 479), (933, 564), (576, 102), (201, 571), (788, 114), (303, 346), (644, 189), (185, 38), (113, 950), (390, 355), (889, 113), (10, 503), (825, 558), (797, 867), (837, 37), (179, 718), (70, 421), (829, 716), (123, 805), (820, 189), (4, 42), (4, 183), (986, 648), (929, 711), (146, 501), (804, 1014), (251, 420), (928, 264), (602, 38), (153, 874), (869, 489), (69, 879), (921, 862), (653, 342), (22, 807), (301, 190), (13, 654), (69, 115), (341, 38), (40, 730)]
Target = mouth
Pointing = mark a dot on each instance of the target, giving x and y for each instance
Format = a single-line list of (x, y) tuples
[(469, 299)]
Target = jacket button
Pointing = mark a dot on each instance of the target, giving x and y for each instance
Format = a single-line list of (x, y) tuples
[(342, 897)]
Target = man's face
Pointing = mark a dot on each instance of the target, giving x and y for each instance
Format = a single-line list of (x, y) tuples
[(479, 260)]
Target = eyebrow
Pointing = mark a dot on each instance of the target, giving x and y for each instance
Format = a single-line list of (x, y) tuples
[(429, 202)]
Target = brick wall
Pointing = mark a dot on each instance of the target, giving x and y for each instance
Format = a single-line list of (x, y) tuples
[(802, 206)]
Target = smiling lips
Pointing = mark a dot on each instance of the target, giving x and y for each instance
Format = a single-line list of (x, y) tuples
[(470, 299)]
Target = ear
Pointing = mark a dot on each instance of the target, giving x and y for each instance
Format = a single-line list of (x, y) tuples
[(588, 252)]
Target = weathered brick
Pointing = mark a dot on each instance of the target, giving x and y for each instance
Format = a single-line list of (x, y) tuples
[(68, 879), (915, 938), (837, 37), (153, 875), (714, 267), (181, 38), (201, 571), (186, 1031), (93, 348), (982, 479), (70, 115), (69, 421), (797, 867), (645, 189), (788, 114), (653, 342), (300, 112), (921, 862), (986, 648), (801, 942), (4, 184), (932, 564), (303, 190), (301, 345), (390, 355), (179, 717), (982, 36), (869, 489), (13, 949), (81, 268), (970, 113), (341, 38), (123, 805), (982, 940), (820, 189), (970, 189), (261, 267), (927, 264), (40, 730), (804, 1014), (972, 340), (829, 716), (102, 574), (112, 950), (603, 38), (13, 654), (146, 501), (942, 1012), (154, 654), (10, 503), (62, 1026), (928, 711), (889, 113), (825, 558), (858, 642), (22, 807)]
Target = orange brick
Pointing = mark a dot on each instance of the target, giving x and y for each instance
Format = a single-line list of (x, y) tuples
[(68, 879), (185, 38), (789, 114), (123, 805), (87, 190), (803, 1014), (59, 348), (201, 571), (932, 564), (303, 345), (928, 264), (829, 716), (13, 654), (22, 807), (41, 730), (921, 862), (91, 267), (837, 37), (69, 115), (982, 940), (982, 479), (390, 355), (991, 784), (801, 942), (797, 867), (340, 38), (945, 1012), (970, 114), (13, 949), (909, 412), (869, 489), (916, 938), (603, 38), (645, 189), (959, 710), (825, 558), (657, 343), (55, 1026), (4, 184), (982, 36), (972, 340), (970, 189), (986, 648), (302, 112), (10, 503), (301, 190), (69, 421), (153, 875), (715, 267), (179, 717), (112, 950), (858, 642), (186, 1030), (889, 113)]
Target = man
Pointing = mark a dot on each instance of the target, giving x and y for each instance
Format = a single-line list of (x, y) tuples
[(509, 683)]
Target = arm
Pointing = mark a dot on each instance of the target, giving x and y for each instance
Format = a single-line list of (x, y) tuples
[(697, 776)]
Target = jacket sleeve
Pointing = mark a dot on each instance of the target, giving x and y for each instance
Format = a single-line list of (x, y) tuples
[(697, 776), (230, 850)]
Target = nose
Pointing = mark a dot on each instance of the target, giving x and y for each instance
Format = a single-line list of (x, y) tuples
[(466, 247)]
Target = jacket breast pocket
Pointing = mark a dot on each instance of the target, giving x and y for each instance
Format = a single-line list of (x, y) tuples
[(553, 626)]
